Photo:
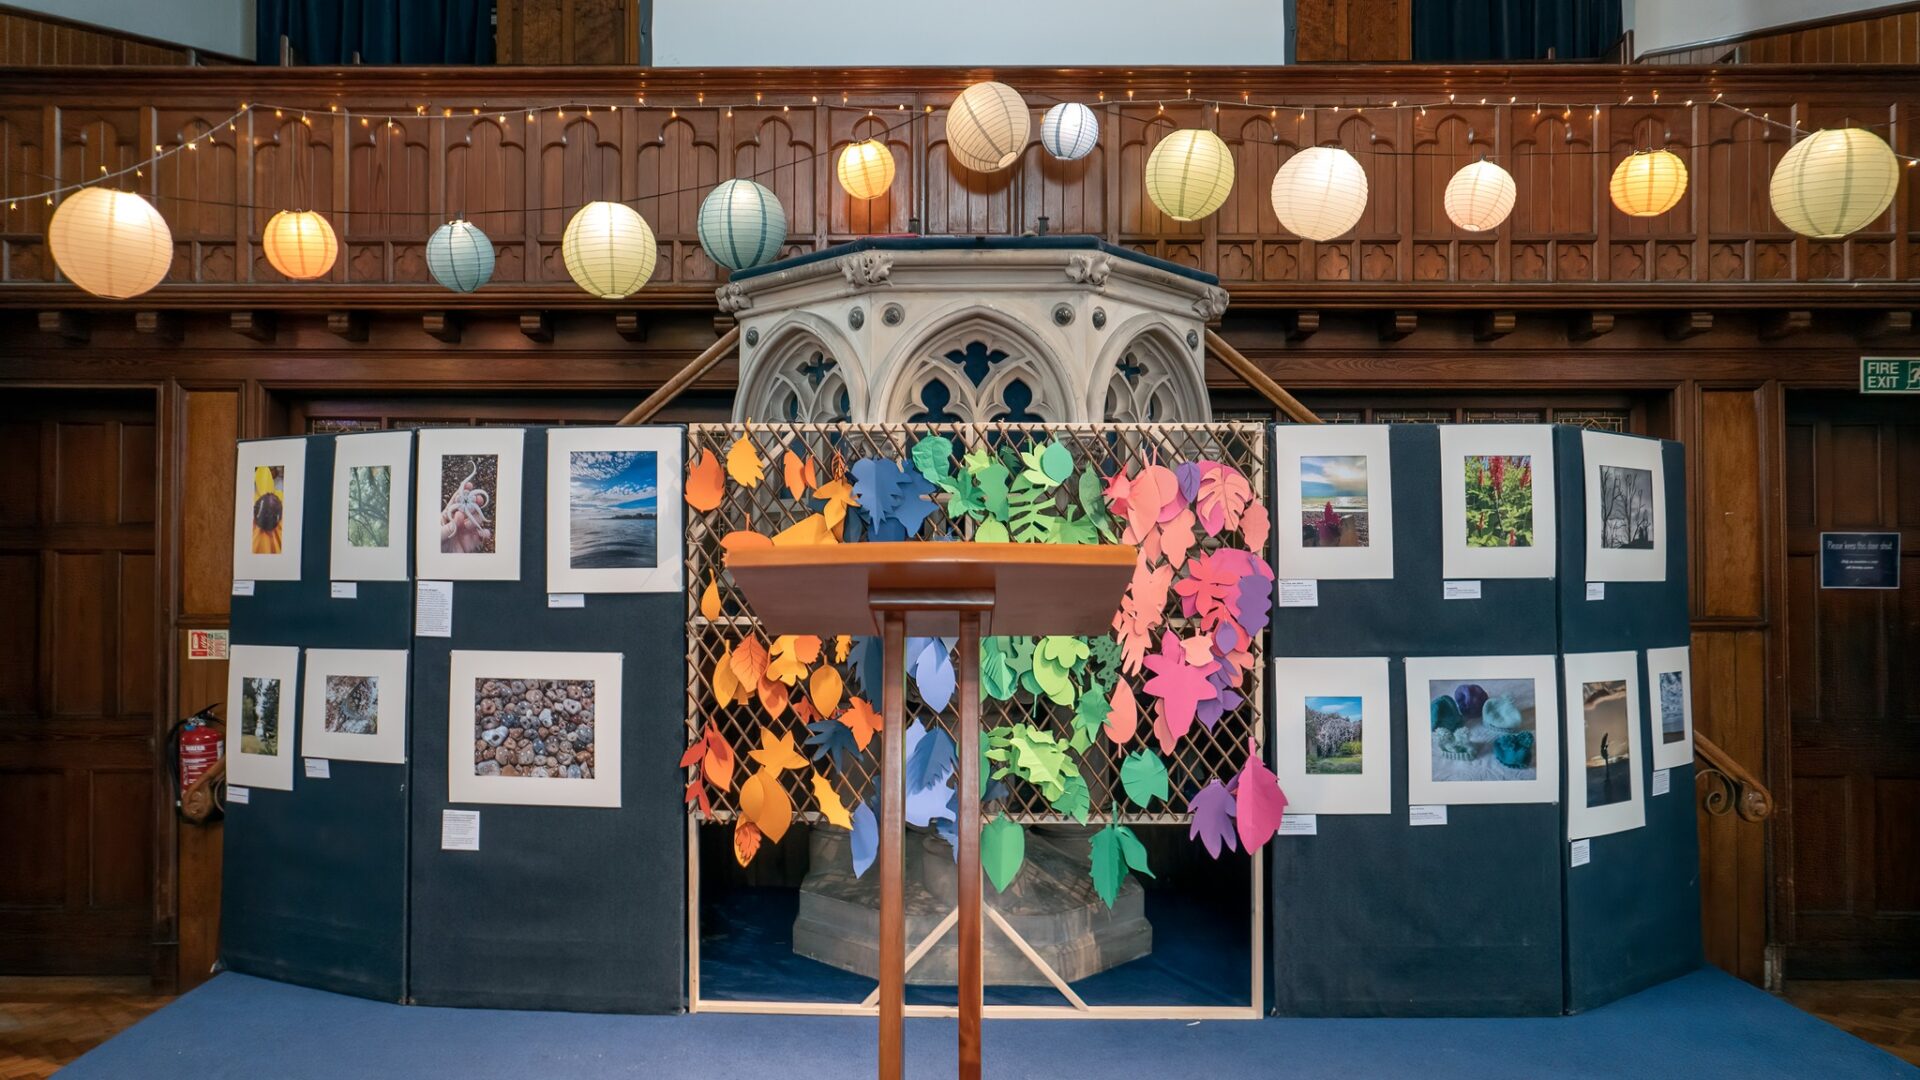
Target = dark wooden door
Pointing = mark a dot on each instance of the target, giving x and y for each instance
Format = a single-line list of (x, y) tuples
[(79, 801), (1852, 890)]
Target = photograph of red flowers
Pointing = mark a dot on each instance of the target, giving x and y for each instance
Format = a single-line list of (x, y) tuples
[(1499, 500)]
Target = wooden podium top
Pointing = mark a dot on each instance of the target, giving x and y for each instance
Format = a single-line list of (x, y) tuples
[(1018, 589)]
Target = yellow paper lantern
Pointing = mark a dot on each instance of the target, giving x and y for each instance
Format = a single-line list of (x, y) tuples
[(609, 249), (110, 243), (987, 126), (1479, 197), (1648, 183), (1189, 174), (1834, 182), (866, 169), (300, 244), (1320, 192)]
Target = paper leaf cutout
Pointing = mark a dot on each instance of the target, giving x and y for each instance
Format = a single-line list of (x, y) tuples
[(1144, 778), (930, 457), (798, 472), (991, 531), (1123, 715), (746, 841), (783, 663), (740, 539), (933, 674), (1255, 526), (1115, 849), (777, 753), (865, 843), (764, 800), (1259, 802), (997, 676), (706, 484), (1223, 496), (812, 529), (744, 464), (717, 763), (841, 645), (1179, 685), (697, 792), (773, 697), (861, 720), (749, 661), (1075, 800), (825, 687), (1003, 847), (831, 807), (832, 738), (1056, 461), (1213, 813), (710, 600), (931, 760)]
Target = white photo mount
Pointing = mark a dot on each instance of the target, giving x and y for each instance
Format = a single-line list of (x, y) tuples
[(1296, 679), (1606, 561), (1423, 789), (1293, 557), (291, 456), (1584, 820), (387, 743), (276, 662), (394, 451), (668, 573), (472, 670), (1462, 560), (500, 507), (1670, 755)]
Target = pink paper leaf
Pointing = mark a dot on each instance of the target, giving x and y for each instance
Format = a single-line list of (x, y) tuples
[(1259, 801)]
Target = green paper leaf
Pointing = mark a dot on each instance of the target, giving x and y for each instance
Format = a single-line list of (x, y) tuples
[(1115, 849), (993, 479), (931, 455), (1003, 847), (1074, 799), (1075, 530), (997, 675), (1053, 662), (990, 531), (1056, 461), (1093, 499), (1144, 777), (1090, 715), (963, 498)]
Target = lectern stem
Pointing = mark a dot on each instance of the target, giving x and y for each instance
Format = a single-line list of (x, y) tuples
[(893, 818), (969, 835)]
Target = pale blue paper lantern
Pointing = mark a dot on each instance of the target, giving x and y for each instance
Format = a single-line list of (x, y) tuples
[(742, 224), (460, 256), (1069, 131)]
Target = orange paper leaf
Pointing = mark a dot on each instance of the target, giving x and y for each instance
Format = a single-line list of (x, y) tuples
[(769, 807), (777, 753), (743, 462), (825, 688), (773, 697), (863, 721), (807, 648), (812, 529), (785, 665), (749, 661), (798, 472), (706, 484), (739, 539), (717, 765), (831, 807), (1123, 716), (841, 646), (726, 684), (710, 599), (746, 841), (838, 495)]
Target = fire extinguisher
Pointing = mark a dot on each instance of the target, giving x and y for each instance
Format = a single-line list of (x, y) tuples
[(198, 741)]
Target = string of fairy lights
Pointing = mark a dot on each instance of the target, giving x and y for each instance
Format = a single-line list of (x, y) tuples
[(113, 243)]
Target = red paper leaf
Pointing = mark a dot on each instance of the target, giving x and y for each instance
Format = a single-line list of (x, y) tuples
[(1123, 714), (1258, 800)]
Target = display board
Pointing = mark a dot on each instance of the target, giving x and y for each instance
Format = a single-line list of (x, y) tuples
[(578, 907), (1633, 910), (315, 885)]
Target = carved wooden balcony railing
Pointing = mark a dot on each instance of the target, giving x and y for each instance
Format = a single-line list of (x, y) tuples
[(386, 188), (1725, 786)]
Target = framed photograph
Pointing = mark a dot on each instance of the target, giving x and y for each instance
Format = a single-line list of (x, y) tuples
[(1603, 744), (1482, 729), (261, 709), (1334, 747), (1333, 511), (614, 510), (534, 728), (370, 487), (1496, 501), (1626, 508), (468, 522), (269, 489), (1670, 697), (355, 705)]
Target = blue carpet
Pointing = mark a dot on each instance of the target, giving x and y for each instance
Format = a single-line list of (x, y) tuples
[(1704, 1025)]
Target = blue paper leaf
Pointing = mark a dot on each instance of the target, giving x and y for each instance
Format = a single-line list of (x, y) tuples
[(933, 673), (866, 838), (931, 760), (869, 670), (833, 737), (928, 805)]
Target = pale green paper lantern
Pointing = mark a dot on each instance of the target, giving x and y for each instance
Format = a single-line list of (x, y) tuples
[(742, 224), (460, 256), (1189, 174), (609, 249), (1834, 182)]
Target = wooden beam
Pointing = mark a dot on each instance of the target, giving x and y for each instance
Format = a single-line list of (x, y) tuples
[(1587, 325), (1687, 324), (444, 325), (1398, 324), (1254, 377), (351, 325), (258, 325), (162, 326), (629, 325), (537, 325), (1781, 324), (1302, 325), (684, 378), (70, 325), (1887, 324), (1494, 324)]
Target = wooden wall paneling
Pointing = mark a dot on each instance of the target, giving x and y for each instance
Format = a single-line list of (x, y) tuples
[(1729, 678), (1878, 37), (1730, 500), (777, 150), (190, 187), (34, 39), (1071, 194), (567, 32), (679, 161), (849, 218), (1652, 248), (1867, 255), (1245, 227), (484, 180)]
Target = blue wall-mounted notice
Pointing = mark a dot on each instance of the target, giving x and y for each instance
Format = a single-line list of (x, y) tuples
[(1863, 560)]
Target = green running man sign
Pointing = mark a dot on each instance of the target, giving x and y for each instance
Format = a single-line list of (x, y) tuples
[(1890, 375)]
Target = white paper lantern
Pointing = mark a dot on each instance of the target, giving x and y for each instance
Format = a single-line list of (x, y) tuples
[(1320, 192), (609, 249), (742, 224), (1834, 182), (987, 126), (460, 256), (1189, 174), (1480, 196), (1648, 183), (866, 169), (1069, 131), (110, 243), (300, 244)]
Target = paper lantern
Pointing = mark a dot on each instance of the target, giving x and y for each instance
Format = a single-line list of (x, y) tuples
[(1189, 174), (110, 243), (300, 244), (1320, 192), (987, 126), (866, 169), (1648, 183), (1480, 196), (1069, 131), (460, 256), (1834, 182), (742, 224), (609, 249)]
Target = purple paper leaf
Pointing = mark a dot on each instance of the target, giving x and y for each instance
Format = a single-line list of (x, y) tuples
[(1187, 473), (1213, 813), (1254, 606)]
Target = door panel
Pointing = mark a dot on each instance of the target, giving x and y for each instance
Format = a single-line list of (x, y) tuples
[(1852, 464)]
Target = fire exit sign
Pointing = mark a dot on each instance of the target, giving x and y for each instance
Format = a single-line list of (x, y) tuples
[(1890, 375)]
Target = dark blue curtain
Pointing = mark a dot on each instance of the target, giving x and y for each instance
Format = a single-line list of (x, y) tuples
[(330, 32), (1468, 30)]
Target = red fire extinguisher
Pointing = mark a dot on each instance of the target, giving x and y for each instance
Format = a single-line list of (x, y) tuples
[(199, 741)]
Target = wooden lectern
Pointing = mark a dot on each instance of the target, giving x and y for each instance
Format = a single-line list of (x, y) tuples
[(932, 590)]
